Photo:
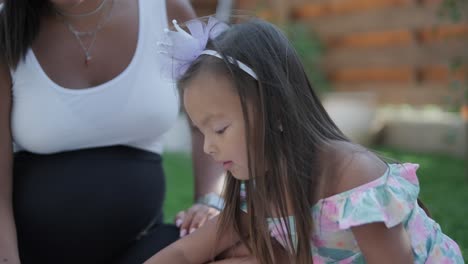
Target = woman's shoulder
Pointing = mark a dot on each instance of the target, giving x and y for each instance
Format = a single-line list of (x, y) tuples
[(347, 166)]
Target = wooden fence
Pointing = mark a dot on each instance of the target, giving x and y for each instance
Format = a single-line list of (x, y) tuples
[(403, 50)]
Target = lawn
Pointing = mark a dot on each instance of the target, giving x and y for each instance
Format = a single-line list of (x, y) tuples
[(444, 189)]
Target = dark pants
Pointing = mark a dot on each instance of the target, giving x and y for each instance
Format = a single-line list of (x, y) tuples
[(101, 205)]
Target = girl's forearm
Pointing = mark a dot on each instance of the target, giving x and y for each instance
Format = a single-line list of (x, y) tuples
[(199, 247), (171, 254), (240, 260)]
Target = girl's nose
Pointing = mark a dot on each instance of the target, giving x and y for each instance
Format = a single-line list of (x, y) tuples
[(208, 146)]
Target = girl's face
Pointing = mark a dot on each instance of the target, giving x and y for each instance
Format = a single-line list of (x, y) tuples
[(215, 109)]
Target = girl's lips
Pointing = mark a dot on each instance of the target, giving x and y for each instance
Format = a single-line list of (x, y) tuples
[(227, 165)]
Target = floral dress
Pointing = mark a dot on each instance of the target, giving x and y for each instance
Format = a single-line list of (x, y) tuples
[(390, 199)]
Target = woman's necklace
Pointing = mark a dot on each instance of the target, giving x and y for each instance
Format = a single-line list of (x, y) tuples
[(91, 34), (90, 13)]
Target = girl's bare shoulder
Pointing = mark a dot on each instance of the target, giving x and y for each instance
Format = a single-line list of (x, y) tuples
[(348, 165)]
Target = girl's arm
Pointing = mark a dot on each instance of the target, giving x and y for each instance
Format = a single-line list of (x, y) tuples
[(240, 254), (378, 243), (382, 245), (199, 247), (239, 260)]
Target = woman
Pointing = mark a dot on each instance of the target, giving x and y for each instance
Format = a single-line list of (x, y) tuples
[(82, 111)]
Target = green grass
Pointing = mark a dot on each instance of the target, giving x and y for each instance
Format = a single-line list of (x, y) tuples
[(443, 179), (179, 181)]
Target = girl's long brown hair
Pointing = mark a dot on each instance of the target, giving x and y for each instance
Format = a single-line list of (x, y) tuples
[(285, 131)]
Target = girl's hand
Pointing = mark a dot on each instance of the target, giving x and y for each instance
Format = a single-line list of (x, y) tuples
[(188, 221)]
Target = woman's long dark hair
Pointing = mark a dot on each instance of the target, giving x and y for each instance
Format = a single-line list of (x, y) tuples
[(288, 130), (19, 26)]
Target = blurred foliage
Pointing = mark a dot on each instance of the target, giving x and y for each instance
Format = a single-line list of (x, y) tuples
[(307, 44), (310, 50), (456, 10), (453, 9)]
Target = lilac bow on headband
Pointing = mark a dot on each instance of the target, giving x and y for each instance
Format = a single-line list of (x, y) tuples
[(184, 48)]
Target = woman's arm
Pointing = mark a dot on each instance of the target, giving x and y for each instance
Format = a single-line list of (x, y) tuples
[(208, 175), (181, 10), (8, 241), (199, 247)]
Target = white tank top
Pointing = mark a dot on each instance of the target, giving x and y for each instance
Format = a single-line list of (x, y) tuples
[(134, 109)]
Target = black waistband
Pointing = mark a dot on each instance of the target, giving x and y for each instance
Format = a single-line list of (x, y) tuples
[(112, 152)]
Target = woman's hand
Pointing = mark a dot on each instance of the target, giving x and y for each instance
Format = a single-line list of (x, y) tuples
[(193, 218)]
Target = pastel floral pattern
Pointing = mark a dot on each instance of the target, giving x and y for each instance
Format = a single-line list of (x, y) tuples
[(390, 199)]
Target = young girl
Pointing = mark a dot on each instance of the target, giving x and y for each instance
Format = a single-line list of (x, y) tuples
[(293, 178)]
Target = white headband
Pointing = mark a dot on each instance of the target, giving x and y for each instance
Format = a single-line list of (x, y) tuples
[(241, 65)]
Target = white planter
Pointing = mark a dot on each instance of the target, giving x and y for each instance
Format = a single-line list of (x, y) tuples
[(354, 113), (426, 132)]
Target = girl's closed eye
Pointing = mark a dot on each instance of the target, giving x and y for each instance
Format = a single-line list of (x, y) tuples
[(222, 130)]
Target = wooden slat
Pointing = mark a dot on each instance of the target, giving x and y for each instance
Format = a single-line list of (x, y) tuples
[(412, 17), (313, 10), (373, 74), (247, 4), (373, 39), (413, 94), (444, 74), (398, 74), (443, 32), (432, 2), (403, 37), (266, 14), (415, 55)]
